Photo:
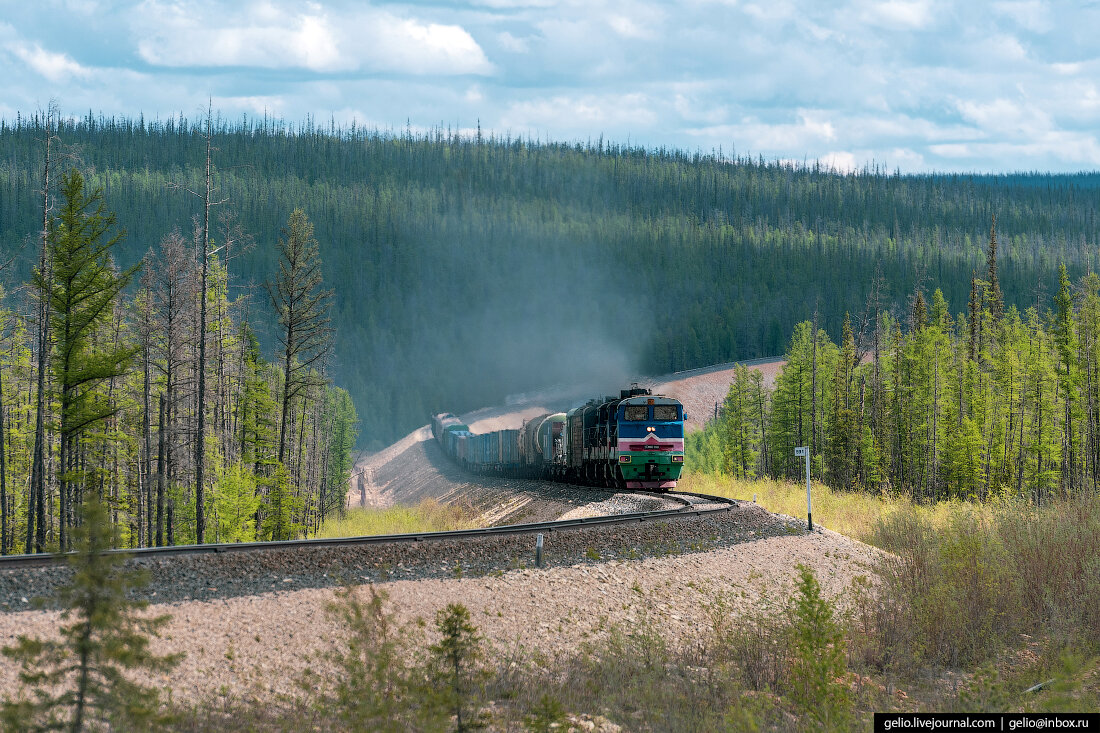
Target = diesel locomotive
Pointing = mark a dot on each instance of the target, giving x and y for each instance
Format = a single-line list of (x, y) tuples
[(633, 441)]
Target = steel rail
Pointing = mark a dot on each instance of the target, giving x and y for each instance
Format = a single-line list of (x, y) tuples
[(689, 509)]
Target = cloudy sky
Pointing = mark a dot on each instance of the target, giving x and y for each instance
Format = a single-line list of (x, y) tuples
[(913, 84)]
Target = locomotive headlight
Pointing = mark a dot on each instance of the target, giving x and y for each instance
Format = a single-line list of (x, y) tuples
[(677, 459), (624, 459), (650, 429)]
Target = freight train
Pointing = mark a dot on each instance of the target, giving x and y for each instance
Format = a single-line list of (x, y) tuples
[(633, 441)]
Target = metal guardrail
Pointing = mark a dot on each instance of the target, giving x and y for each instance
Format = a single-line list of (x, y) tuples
[(47, 559), (674, 376)]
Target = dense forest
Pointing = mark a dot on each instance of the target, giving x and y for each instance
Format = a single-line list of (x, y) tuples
[(994, 401), (471, 267), (141, 382)]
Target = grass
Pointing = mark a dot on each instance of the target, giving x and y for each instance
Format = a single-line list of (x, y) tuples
[(965, 585), (850, 513), (427, 516)]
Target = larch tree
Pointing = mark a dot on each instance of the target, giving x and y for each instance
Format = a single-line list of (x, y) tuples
[(81, 292)]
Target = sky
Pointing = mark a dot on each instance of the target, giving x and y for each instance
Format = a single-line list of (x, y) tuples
[(913, 85)]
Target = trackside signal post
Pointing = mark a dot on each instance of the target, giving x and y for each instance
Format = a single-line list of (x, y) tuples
[(804, 452)]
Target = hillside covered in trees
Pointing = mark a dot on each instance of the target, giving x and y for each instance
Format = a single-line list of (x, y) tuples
[(467, 268)]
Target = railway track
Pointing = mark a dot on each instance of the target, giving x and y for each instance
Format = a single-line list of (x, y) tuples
[(691, 504)]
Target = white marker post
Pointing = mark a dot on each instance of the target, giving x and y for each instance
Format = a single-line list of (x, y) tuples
[(805, 453)]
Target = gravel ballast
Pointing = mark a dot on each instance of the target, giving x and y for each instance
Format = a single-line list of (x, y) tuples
[(250, 622)]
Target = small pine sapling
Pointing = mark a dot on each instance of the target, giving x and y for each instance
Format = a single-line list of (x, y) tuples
[(80, 681), (818, 677), (457, 663)]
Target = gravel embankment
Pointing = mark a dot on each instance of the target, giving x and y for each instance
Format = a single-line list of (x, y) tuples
[(251, 623), (224, 575)]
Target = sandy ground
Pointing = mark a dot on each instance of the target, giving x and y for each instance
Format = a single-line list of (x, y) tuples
[(258, 645)]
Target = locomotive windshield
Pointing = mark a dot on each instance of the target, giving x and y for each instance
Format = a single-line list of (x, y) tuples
[(637, 412), (665, 412)]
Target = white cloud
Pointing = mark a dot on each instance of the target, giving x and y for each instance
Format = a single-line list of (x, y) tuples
[(627, 28), (1067, 69), (272, 105), (54, 66), (1031, 15), (692, 109), (267, 36), (404, 44), (897, 13), (594, 112), (511, 4), (751, 134), (840, 161), (1006, 117), (306, 41), (1005, 47), (511, 43), (769, 12), (1070, 150)]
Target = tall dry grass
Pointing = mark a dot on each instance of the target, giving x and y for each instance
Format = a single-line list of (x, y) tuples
[(964, 582), (427, 516), (960, 592), (850, 513)]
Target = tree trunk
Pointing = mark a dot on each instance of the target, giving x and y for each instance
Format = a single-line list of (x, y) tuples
[(146, 421), (200, 410), (36, 498), (160, 474)]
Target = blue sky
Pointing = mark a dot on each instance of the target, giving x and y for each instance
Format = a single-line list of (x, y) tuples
[(917, 85)]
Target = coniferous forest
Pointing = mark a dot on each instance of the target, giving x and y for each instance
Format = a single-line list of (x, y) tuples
[(994, 402), (468, 268), (138, 378)]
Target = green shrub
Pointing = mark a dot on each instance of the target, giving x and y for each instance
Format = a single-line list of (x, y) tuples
[(374, 688), (959, 591)]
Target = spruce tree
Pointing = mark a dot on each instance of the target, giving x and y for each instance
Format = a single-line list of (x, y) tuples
[(457, 663), (818, 684)]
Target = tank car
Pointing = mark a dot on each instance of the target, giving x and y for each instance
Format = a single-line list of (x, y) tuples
[(542, 445)]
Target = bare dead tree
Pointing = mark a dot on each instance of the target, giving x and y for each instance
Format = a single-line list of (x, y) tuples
[(36, 499), (169, 278), (303, 309), (204, 262)]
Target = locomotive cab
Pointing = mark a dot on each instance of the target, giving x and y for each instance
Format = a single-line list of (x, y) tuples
[(650, 441)]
